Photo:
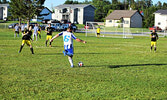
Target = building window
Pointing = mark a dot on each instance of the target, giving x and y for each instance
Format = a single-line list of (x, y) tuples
[(110, 21), (159, 23), (126, 22)]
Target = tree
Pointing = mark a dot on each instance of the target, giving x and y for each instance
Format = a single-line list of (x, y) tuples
[(102, 8), (4, 1), (26, 9), (164, 6), (68, 2)]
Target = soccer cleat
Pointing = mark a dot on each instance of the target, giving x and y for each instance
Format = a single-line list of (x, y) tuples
[(72, 66), (65, 53)]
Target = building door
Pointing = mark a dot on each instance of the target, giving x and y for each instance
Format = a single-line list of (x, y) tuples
[(76, 15), (1, 13)]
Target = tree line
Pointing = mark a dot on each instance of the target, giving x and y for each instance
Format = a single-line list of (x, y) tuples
[(3, 1), (105, 7)]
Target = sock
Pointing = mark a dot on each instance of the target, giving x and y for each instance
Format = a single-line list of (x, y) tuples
[(46, 43), (20, 48), (155, 49), (14, 35), (40, 36), (151, 48), (32, 50), (71, 62), (50, 43)]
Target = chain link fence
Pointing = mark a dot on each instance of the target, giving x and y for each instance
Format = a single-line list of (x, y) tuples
[(4, 25)]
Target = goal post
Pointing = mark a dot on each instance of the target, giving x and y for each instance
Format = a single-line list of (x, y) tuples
[(116, 32)]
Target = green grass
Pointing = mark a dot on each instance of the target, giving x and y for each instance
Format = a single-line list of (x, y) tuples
[(114, 69)]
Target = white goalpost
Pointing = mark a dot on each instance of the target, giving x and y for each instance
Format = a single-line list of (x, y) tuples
[(115, 32)]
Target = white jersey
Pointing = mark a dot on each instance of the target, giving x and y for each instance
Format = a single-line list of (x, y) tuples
[(68, 39)]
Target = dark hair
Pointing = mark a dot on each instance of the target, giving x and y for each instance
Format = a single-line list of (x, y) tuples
[(70, 27)]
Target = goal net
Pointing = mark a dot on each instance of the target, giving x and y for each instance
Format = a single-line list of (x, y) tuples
[(116, 32)]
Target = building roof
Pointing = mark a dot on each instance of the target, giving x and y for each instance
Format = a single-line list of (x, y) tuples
[(73, 6), (4, 5), (162, 12), (118, 14)]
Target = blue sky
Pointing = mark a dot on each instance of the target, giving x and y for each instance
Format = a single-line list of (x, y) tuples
[(53, 3)]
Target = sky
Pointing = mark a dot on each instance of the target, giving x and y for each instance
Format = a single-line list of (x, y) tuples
[(52, 3)]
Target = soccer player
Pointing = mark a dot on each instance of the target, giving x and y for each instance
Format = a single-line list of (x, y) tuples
[(39, 31), (98, 32), (49, 31), (26, 39), (22, 28), (35, 32), (154, 38), (16, 28), (68, 37)]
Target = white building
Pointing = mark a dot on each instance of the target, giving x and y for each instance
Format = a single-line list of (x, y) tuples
[(76, 13), (129, 18), (4, 11), (161, 19)]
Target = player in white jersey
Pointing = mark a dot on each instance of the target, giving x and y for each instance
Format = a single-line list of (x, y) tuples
[(68, 37)]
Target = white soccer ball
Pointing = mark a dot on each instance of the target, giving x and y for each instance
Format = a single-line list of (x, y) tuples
[(80, 64)]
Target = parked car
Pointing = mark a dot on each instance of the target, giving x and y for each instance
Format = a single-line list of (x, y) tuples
[(45, 21), (90, 26), (65, 21), (56, 26), (12, 25), (155, 27), (65, 26), (53, 21)]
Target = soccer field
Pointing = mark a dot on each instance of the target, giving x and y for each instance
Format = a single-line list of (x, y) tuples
[(113, 69)]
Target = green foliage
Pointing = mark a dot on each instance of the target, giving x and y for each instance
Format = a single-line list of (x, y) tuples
[(25, 9), (114, 69), (102, 8)]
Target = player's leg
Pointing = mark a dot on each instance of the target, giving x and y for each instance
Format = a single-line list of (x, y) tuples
[(33, 36), (151, 46), (22, 45), (18, 34), (71, 61), (14, 34), (36, 35), (50, 44), (155, 47), (30, 45), (46, 40), (39, 33), (69, 52)]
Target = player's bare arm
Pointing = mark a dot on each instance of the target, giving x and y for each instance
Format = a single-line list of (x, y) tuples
[(79, 40), (54, 37)]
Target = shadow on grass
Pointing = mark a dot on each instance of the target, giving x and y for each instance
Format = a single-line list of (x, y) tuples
[(131, 65)]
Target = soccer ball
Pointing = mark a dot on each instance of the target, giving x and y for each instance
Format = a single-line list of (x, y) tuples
[(80, 64)]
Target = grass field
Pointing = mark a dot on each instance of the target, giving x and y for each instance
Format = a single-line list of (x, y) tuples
[(114, 69)]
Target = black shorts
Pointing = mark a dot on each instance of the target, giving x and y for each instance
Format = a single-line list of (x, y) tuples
[(22, 31), (98, 33), (17, 32)]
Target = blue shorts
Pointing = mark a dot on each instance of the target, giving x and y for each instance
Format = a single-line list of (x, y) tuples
[(68, 52)]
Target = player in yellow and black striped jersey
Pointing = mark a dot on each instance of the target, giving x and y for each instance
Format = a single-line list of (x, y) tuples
[(26, 39), (49, 31), (154, 38)]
